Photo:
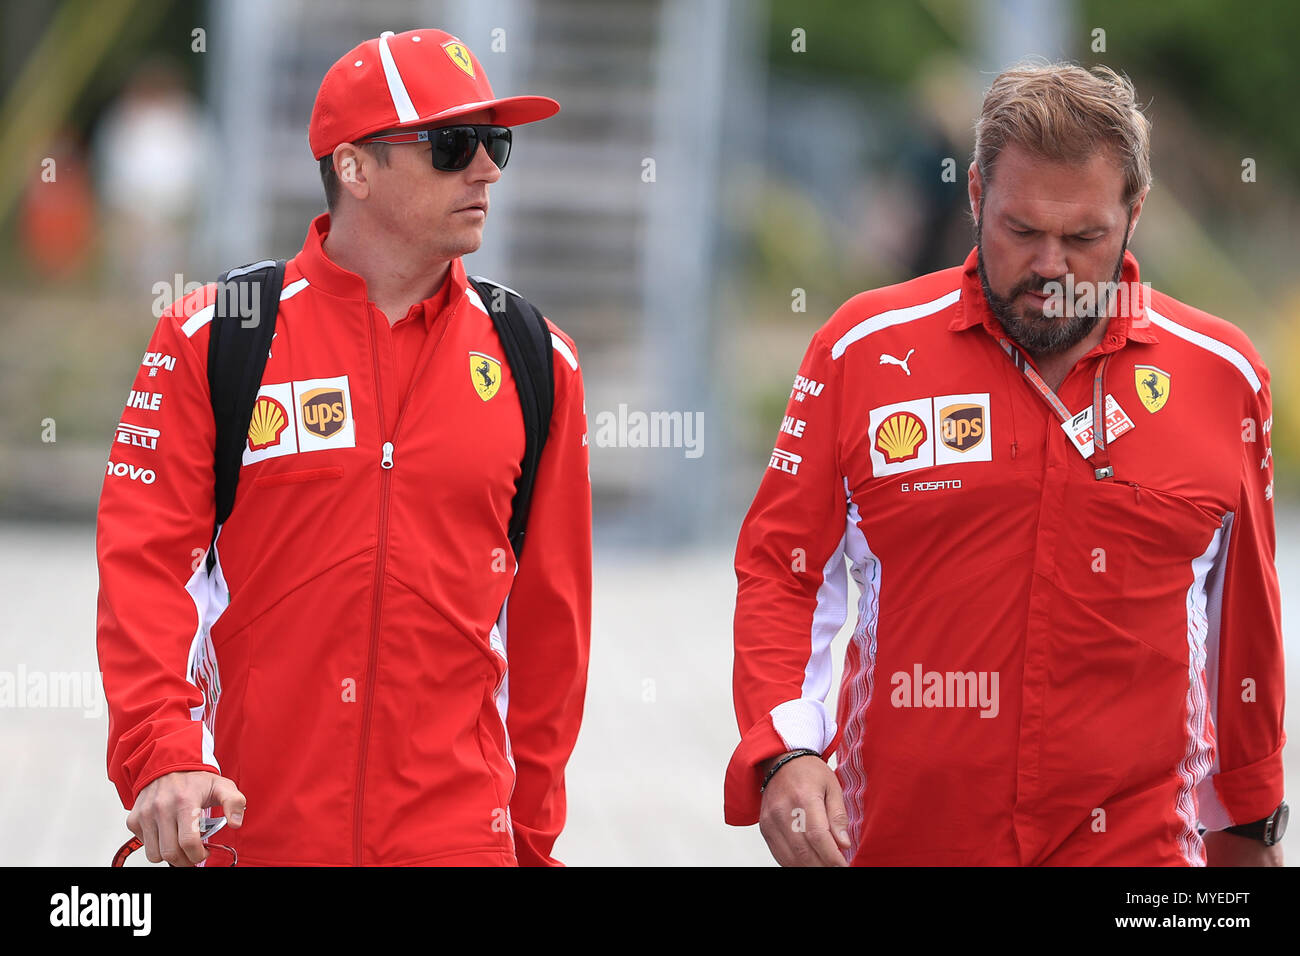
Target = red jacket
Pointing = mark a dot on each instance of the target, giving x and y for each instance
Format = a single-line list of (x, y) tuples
[(345, 664), (1047, 668)]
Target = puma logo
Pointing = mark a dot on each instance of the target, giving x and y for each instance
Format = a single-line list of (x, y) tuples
[(901, 363)]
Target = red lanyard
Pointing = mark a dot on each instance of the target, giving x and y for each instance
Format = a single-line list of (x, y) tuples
[(1100, 453)]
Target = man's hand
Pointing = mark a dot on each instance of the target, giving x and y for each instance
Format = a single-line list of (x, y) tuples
[(803, 818), (167, 812), (1230, 849)]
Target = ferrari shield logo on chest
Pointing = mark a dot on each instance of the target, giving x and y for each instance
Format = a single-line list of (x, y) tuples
[(1152, 386), (485, 374)]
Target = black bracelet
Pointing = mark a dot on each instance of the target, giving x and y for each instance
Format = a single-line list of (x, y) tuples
[(785, 759)]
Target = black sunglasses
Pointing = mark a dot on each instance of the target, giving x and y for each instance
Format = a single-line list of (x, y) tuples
[(454, 147)]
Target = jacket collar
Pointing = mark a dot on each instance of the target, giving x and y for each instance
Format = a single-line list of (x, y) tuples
[(1130, 324), (324, 274)]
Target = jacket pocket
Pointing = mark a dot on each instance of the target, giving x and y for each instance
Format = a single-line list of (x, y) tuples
[(1128, 557), (295, 477)]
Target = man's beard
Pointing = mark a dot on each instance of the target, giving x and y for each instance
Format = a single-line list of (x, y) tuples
[(1029, 328)]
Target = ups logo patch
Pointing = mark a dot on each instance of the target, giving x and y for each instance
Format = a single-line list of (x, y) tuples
[(323, 411), (961, 427)]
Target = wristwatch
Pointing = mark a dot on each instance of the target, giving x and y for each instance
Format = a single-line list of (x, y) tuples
[(1270, 830)]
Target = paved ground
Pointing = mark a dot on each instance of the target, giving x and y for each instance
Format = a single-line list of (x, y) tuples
[(646, 779)]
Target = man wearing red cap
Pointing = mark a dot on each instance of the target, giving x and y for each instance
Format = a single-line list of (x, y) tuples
[(364, 671)]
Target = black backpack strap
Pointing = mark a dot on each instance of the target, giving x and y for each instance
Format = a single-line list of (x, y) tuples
[(526, 340), (238, 342)]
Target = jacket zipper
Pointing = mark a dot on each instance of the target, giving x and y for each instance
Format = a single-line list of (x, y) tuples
[(381, 557)]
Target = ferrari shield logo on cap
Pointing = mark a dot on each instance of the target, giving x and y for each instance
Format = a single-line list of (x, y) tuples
[(485, 374), (1152, 386), (459, 55)]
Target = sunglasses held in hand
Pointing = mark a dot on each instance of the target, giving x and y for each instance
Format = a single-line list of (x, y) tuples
[(454, 146), (218, 853)]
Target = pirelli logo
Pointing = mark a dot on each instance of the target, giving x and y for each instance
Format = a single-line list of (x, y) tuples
[(786, 461)]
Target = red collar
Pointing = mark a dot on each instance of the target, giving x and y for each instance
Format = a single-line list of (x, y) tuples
[(324, 274), (1130, 324)]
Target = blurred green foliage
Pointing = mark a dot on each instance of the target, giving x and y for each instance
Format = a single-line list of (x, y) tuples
[(1233, 64), (882, 42)]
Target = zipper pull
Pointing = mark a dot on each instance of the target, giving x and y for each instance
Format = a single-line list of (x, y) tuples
[(387, 460)]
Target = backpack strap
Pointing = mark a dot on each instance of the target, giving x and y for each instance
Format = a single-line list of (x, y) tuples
[(238, 342), (526, 340)]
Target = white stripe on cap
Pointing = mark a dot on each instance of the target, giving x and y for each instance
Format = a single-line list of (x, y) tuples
[(396, 88)]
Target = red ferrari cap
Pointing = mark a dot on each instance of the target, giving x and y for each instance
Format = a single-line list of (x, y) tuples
[(409, 79)]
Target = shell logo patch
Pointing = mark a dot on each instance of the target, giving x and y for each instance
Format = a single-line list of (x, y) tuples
[(458, 54), (900, 436), (267, 437), (1152, 386), (484, 374), (267, 424)]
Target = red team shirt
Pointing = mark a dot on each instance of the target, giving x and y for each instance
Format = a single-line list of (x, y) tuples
[(1046, 668), (346, 663), (409, 334)]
